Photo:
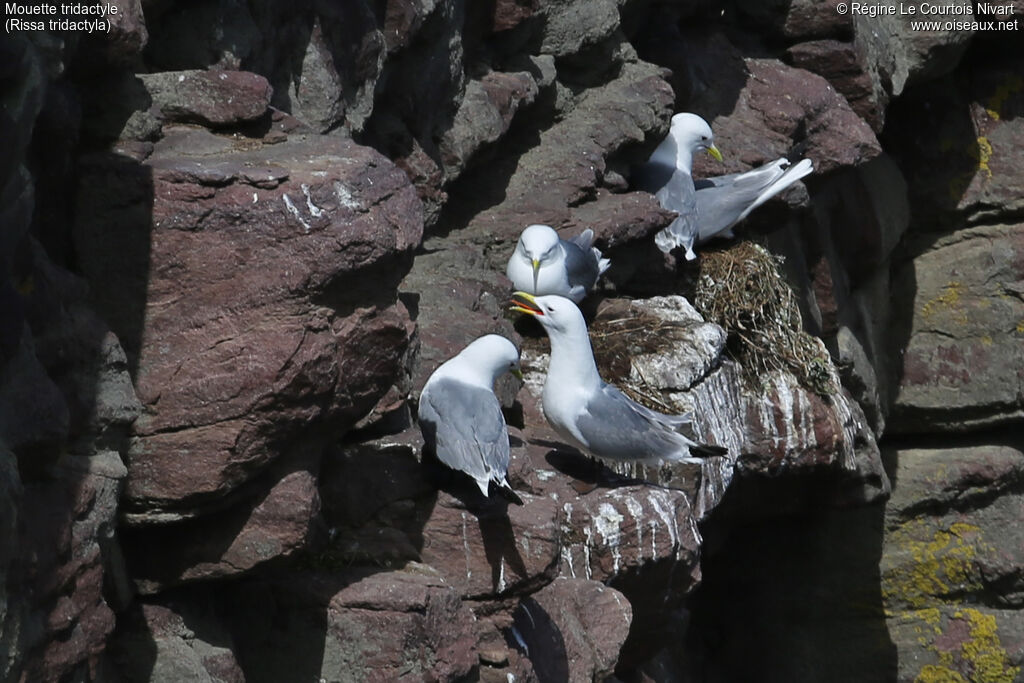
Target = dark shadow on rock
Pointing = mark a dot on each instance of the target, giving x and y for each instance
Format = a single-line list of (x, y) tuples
[(527, 326), (280, 628), (641, 269), (583, 468), (657, 592), (133, 646), (483, 185), (543, 642), (64, 394), (707, 71), (112, 242), (499, 542), (809, 571)]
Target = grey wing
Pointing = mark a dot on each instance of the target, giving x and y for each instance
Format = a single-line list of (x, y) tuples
[(581, 263), (719, 208), (616, 428), (760, 177), (468, 429), (723, 201), (584, 240)]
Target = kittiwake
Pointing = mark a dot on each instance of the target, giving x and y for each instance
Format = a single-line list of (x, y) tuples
[(543, 263), (725, 200), (593, 415), (460, 416), (668, 176)]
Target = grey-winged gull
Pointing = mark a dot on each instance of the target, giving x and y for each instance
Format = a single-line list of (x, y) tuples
[(460, 416), (543, 263), (725, 200), (593, 415), (667, 175)]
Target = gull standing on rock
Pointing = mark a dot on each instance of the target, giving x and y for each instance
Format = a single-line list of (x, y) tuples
[(668, 176), (460, 416), (543, 263), (725, 200), (593, 415)]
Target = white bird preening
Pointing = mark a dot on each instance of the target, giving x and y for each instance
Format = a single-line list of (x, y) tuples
[(543, 263), (668, 176), (593, 415), (460, 416), (725, 200)]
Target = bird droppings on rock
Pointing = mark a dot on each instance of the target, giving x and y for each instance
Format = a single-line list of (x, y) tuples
[(208, 345)]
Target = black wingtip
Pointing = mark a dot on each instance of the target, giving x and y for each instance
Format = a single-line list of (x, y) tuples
[(510, 495), (705, 450)]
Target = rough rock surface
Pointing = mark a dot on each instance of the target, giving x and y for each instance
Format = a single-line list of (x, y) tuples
[(779, 106), (952, 566), (158, 643), (337, 626), (963, 366), (241, 301), (574, 629), (217, 309), (211, 98)]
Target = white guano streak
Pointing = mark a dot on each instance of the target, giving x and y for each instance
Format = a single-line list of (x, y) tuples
[(294, 210), (314, 210), (608, 523)]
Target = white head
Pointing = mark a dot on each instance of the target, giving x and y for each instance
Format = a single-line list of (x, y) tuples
[(559, 316), (687, 135), (538, 244), (491, 354)]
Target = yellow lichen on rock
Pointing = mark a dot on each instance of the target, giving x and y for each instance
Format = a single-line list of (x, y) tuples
[(984, 155), (949, 299), (936, 566), (983, 652), (966, 644), (931, 673)]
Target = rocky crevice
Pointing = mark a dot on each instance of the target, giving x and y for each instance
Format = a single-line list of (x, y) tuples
[(237, 238)]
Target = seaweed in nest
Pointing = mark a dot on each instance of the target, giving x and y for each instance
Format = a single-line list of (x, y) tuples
[(742, 290)]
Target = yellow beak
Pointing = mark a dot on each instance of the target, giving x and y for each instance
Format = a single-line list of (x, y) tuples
[(713, 151), (518, 373), (525, 303), (536, 271)]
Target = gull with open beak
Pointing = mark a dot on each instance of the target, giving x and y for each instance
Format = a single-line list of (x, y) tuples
[(460, 416), (543, 263), (593, 415)]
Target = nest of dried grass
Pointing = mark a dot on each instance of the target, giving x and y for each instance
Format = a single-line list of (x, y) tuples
[(621, 332), (617, 334), (743, 290)]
